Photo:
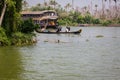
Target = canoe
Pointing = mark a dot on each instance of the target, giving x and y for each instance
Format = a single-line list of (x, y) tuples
[(72, 32)]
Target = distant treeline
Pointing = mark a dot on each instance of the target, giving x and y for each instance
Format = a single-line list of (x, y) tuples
[(70, 16)]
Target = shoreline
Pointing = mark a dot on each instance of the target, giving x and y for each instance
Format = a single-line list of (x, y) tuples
[(94, 25), (99, 25)]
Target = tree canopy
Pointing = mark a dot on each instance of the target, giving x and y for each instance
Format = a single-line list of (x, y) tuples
[(13, 30), (11, 18)]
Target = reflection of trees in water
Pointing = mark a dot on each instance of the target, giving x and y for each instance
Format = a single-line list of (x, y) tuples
[(10, 64)]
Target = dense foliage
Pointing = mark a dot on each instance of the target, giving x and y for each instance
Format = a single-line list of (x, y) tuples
[(3, 38), (14, 31), (21, 39), (11, 18), (27, 26), (77, 18)]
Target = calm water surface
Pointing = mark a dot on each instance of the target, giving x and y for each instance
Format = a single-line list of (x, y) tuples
[(93, 55)]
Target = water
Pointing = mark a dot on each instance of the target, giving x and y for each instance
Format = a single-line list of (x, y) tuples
[(93, 55)]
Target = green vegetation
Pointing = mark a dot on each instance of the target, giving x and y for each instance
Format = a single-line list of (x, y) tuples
[(77, 18), (4, 40), (14, 31), (27, 26), (16, 38), (106, 22), (20, 39), (82, 15)]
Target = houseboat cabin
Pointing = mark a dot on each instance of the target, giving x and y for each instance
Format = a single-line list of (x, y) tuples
[(47, 18)]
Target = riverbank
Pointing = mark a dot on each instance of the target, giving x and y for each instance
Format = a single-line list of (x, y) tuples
[(17, 38), (98, 25), (93, 25)]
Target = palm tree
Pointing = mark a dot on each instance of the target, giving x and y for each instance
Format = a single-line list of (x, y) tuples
[(96, 6), (85, 8), (53, 2), (72, 4), (25, 4), (102, 7), (115, 8), (44, 1), (67, 6), (109, 3), (91, 7), (45, 4), (3, 12), (38, 4), (59, 6), (108, 14), (109, 11)]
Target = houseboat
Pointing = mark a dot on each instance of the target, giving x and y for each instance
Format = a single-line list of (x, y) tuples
[(45, 19)]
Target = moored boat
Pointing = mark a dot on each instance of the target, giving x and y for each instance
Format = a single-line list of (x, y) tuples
[(45, 19), (50, 32)]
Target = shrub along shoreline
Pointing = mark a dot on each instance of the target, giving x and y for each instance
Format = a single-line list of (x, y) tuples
[(25, 35), (14, 31), (16, 39)]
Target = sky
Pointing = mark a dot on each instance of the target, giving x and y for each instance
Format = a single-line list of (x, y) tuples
[(77, 3)]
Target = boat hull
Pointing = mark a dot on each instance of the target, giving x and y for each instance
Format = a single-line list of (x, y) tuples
[(73, 32)]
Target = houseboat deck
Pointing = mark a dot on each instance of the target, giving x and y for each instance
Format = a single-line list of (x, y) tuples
[(46, 18)]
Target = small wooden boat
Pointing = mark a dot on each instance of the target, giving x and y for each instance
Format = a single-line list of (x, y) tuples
[(72, 32)]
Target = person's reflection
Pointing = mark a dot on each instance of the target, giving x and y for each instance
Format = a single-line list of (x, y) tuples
[(10, 64)]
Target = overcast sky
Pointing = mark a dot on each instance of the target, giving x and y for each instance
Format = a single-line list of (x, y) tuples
[(77, 3)]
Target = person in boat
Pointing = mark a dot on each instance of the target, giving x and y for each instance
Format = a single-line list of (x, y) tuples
[(43, 29), (59, 29), (67, 29)]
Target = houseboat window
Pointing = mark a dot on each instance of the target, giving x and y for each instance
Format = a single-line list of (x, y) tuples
[(39, 15), (23, 15), (52, 14)]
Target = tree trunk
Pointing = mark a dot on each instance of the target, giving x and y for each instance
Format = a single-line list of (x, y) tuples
[(109, 4), (91, 7), (2, 14), (116, 10), (109, 9), (72, 4), (103, 6)]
